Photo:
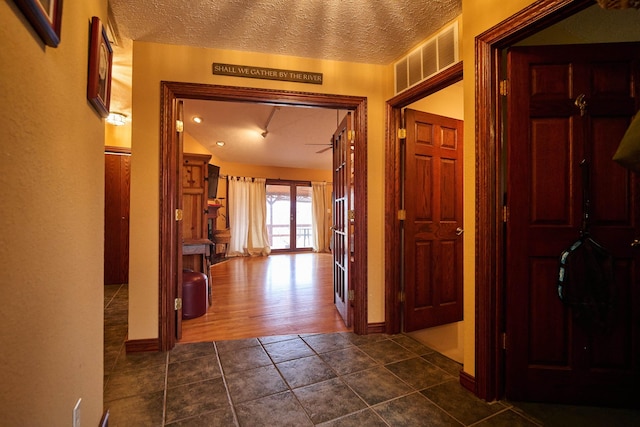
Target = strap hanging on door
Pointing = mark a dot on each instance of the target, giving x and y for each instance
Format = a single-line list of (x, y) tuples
[(585, 282)]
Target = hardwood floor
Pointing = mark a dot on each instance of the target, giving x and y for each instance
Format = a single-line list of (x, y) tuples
[(261, 296)]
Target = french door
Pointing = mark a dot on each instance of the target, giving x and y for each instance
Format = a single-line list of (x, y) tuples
[(289, 215), (343, 216)]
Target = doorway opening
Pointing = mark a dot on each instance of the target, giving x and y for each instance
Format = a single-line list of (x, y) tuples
[(490, 372), (393, 197), (171, 92)]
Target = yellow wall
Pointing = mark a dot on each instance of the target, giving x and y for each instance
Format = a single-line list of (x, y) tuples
[(477, 17), (51, 229), (153, 63), (191, 145), (448, 102), (117, 136)]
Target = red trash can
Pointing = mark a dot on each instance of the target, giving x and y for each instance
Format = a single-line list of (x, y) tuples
[(194, 294)]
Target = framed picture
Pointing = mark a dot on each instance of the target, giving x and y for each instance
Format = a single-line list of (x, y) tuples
[(100, 60), (45, 17)]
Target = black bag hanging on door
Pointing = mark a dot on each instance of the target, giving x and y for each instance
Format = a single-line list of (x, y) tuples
[(585, 282)]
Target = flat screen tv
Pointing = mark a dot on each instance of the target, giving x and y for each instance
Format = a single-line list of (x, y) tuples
[(214, 174)]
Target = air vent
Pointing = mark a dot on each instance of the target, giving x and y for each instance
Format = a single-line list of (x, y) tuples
[(433, 56)]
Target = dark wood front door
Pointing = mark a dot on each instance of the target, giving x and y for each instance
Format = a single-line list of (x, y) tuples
[(116, 215), (433, 226), (567, 104), (342, 229)]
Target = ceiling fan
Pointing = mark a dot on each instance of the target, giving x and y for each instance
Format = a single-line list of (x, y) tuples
[(329, 146)]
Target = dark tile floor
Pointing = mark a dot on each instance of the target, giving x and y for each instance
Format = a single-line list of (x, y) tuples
[(337, 379)]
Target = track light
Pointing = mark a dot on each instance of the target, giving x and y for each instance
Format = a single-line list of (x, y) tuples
[(266, 126)]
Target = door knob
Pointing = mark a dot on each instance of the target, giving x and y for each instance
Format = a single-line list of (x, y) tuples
[(635, 243), (459, 231)]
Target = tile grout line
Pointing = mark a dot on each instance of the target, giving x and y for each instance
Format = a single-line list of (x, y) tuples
[(165, 391), (226, 386), (290, 389), (419, 391)]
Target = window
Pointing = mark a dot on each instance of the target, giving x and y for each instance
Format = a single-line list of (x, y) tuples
[(289, 224)]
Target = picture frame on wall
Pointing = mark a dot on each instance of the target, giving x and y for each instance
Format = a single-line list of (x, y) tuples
[(100, 61), (45, 16)]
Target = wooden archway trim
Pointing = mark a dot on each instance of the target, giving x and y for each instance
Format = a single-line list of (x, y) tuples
[(170, 177), (489, 375)]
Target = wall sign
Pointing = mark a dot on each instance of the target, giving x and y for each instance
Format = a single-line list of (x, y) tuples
[(267, 73)]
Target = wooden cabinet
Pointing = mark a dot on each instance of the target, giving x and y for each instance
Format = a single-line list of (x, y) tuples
[(194, 207), (194, 196)]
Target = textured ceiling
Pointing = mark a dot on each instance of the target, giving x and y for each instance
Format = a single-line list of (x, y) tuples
[(366, 31), (375, 32)]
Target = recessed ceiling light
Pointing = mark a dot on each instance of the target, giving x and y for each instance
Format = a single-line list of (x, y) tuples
[(220, 143), (197, 119)]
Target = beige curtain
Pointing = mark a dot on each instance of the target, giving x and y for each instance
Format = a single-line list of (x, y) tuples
[(247, 217), (319, 220), (258, 236)]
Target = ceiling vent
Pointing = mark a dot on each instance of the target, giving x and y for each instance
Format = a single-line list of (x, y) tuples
[(433, 56)]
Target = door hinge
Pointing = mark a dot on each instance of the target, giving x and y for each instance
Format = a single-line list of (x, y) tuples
[(504, 87), (401, 296), (351, 135), (505, 213), (504, 340), (402, 133), (402, 214), (179, 125), (352, 295), (178, 214), (352, 215), (177, 304)]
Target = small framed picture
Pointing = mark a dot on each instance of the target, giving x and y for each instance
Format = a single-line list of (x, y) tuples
[(45, 16), (100, 60)]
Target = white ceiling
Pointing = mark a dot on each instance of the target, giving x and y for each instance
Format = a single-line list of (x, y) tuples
[(297, 137), (366, 31)]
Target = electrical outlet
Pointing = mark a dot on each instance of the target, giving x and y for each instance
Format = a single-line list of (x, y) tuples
[(76, 414)]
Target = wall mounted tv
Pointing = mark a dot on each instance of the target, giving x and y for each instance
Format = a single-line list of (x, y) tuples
[(214, 174)]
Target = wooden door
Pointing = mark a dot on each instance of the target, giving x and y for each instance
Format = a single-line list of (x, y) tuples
[(551, 353), (116, 216), (433, 226), (342, 225)]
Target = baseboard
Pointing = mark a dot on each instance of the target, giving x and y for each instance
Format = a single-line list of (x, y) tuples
[(469, 382), (376, 328), (140, 346)]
